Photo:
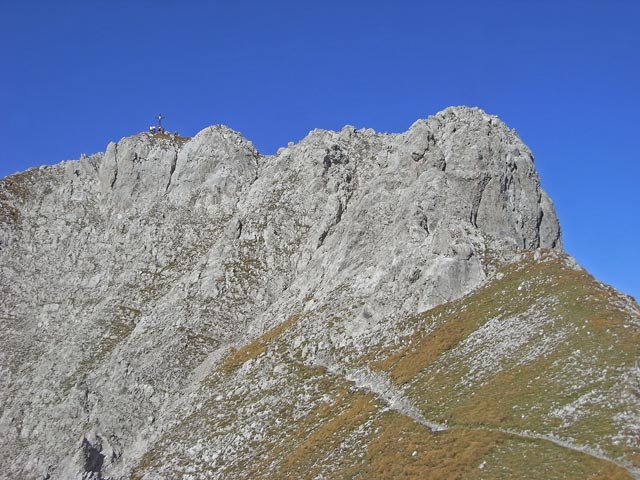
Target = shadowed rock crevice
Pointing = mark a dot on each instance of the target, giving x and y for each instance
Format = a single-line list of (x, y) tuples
[(172, 169), (93, 459), (115, 168)]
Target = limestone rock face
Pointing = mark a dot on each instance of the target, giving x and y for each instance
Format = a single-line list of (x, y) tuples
[(128, 278)]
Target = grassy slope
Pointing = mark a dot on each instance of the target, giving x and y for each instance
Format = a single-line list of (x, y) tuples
[(544, 349), (528, 353)]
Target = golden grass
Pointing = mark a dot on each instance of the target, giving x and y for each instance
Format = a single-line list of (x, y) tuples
[(519, 458), (315, 448), (383, 444), (522, 396), (462, 317), (405, 449), (258, 346)]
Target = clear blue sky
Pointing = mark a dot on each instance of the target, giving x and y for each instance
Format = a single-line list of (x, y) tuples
[(565, 74)]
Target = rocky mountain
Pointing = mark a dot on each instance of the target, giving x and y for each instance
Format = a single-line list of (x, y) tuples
[(359, 305)]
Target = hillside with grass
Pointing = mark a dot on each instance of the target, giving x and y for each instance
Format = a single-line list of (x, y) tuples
[(516, 380)]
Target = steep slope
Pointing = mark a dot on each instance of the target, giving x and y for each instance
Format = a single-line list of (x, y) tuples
[(480, 388), (188, 308)]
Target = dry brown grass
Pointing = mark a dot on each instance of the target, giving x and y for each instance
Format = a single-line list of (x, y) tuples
[(403, 449), (253, 349), (311, 445), (422, 350), (519, 458), (351, 436), (461, 318), (322, 433), (407, 450), (521, 396)]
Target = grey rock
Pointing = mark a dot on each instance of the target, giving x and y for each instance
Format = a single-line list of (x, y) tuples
[(127, 276)]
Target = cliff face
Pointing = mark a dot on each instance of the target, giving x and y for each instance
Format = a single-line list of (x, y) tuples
[(189, 308)]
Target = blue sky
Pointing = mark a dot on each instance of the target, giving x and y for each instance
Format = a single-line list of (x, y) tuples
[(565, 74)]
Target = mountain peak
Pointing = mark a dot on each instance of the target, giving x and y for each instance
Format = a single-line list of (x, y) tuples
[(186, 306)]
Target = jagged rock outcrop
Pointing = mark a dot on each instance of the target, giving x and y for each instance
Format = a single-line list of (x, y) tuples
[(143, 286)]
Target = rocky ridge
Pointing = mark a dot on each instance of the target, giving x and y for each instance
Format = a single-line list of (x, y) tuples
[(189, 308)]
